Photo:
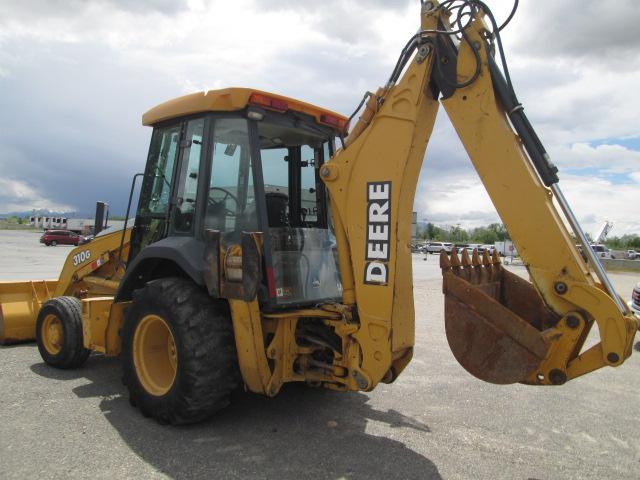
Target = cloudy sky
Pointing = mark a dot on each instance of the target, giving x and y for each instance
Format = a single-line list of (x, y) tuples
[(76, 76)]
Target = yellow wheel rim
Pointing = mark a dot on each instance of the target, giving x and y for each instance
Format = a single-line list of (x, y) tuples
[(52, 334), (154, 355)]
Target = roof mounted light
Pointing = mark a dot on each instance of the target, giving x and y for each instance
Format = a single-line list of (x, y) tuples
[(335, 122), (266, 101), (254, 115)]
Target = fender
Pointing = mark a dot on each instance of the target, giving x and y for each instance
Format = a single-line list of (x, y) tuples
[(172, 256)]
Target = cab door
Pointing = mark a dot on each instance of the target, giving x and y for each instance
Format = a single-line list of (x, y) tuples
[(185, 205), (152, 216), (168, 202)]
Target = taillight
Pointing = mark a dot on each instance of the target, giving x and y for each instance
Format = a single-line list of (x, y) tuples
[(233, 267), (269, 102), (339, 123)]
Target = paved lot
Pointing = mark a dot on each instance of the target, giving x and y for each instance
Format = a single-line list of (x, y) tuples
[(436, 421)]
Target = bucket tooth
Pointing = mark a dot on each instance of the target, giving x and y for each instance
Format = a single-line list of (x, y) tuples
[(466, 261), (486, 259), (454, 259), (445, 264), (496, 267), (475, 258)]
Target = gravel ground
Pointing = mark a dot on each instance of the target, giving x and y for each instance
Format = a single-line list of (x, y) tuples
[(435, 421)]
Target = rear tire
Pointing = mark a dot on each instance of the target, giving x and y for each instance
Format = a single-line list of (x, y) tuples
[(59, 333), (178, 352)]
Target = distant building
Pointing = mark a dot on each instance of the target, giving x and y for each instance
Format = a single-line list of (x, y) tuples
[(82, 226), (48, 223)]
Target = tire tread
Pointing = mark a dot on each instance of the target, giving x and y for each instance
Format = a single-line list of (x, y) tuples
[(73, 353), (207, 360)]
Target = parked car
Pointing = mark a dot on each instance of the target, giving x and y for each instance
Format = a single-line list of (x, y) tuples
[(59, 237), (478, 246), (634, 303), (460, 247), (489, 248), (437, 247), (602, 251), (85, 239), (633, 255)]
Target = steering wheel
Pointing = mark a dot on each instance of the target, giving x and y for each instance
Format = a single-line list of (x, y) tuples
[(223, 201)]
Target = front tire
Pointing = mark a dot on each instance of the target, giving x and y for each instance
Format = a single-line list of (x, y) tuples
[(59, 333), (179, 357), (54, 243)]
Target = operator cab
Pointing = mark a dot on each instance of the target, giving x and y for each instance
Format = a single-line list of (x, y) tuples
[(247, 170)]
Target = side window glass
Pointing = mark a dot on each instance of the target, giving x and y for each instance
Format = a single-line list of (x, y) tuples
[(231, 204), (160, 170), (187, 186), (275, 171), (308, 187), (326, 151), (155, 194)]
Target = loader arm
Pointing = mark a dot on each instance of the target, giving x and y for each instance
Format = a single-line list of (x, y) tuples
[(501, 328), (91, 270)]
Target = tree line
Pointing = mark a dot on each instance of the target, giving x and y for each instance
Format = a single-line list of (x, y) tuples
[(495, 232), (625, 242)]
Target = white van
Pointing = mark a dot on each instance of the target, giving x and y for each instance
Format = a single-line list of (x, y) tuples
[(437, 247)]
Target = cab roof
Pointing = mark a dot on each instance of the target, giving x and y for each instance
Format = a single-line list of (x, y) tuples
[(230, 99)]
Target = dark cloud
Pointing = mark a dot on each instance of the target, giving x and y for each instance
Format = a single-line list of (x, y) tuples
[(75, 84), (141, 6), (593, 29), (329, 5), (350, 22), (36, 9), (71, 130)]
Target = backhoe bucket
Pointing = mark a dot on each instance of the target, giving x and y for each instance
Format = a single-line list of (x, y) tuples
[(493, 318), (19, 306)]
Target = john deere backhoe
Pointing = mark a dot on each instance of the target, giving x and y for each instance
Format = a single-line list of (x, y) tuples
[(272, 245)]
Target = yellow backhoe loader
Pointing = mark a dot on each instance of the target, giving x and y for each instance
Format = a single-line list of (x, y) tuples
[(271, 246)]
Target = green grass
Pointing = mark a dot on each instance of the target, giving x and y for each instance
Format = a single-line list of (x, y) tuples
[(12, 225)]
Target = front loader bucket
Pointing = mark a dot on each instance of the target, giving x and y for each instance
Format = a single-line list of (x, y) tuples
[(19, 306), (493, 318)]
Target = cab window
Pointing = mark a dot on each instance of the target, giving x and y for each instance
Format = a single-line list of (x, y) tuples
[(189, 171), (231, 203)]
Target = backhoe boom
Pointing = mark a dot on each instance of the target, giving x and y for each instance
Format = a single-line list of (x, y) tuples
[(500, 328)]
